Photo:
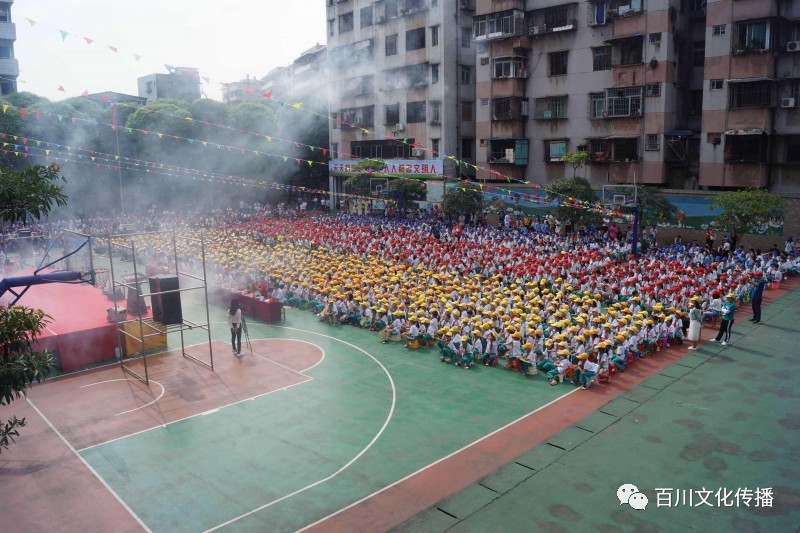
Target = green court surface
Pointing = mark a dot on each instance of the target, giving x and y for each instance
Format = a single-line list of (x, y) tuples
[(720, 419), (371, 415)]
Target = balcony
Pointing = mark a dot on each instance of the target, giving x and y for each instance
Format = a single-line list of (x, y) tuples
[(8, 31), (614, 149), (500, 25), (9, 67), (746, 146), (624, 8), (510, 108), (553, 19), (616, 102), (550, 108), (507, 152)]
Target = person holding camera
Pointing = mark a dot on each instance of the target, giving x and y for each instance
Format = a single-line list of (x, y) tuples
[(759, 283), (235, 323)]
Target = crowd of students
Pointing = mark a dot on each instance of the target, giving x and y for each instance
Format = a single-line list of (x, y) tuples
[(576, 306)]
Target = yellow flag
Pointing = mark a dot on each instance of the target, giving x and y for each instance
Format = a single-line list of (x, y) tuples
[(297, 105)]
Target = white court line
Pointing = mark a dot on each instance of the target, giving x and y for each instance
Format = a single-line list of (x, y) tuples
[(437, 462), (193, 416), (92, 470), (301, 372), (346, 465), (130, 379)]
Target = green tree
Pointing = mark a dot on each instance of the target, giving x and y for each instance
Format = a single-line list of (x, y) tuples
[(745, 210), (29, 193), (576, 160), (462, 198), (360, 183), (653, 206), (580, 191)]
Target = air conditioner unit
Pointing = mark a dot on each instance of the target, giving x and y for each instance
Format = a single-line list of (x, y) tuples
[(534, 30), (417, 152), (787, 102), (510, 155), (399, 127), (793, 46)]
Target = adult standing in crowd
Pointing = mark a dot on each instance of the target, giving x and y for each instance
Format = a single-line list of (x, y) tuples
[(758, 282), (695, 324)]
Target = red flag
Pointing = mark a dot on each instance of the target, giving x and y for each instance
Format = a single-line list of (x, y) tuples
[(61, 88), (85, 92), (23, 111), (268, 94)]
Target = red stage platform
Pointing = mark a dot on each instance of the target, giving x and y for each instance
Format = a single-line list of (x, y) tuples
[(79, 333)]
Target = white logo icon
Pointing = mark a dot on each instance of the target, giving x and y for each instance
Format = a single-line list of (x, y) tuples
[(630, 494)]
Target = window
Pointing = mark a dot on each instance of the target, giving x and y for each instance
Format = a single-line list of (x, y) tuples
[(415, 112), (510, 22), (652, 89), (597, 14), (713, 138), (625, 150), (5, 51), (484, 61), (331, 28), (558, 63), (626, 6), (600, 150), (392, 114), (484, 102), (5, 16), (358, 117), (466, 111), (390, 10), (413, 5), (792, 151), (597, 105), (746, 148), (698, 53), (466, 37), (391, 45), (509, 108), (435, 146), (346, 22), (749, 94), (718, 30), (715, 85), (366, 16), (628, 52), (434, 35), (752, 36), (435, 116), (466, 75), (507, 151), (466, 148), (550, 107), (652, 142), (434, 3), (434, 74), (509, 67), (555, 150), (415, 39), (623, 102), (601, 58), (334, 150), (655, 39)]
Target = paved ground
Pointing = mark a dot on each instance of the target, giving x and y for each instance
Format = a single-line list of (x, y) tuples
[(721, 418)]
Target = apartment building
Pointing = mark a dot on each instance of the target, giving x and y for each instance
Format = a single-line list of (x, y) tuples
[(677, 93), (239, 92), (182, 83), (402, 86), (9, 66)]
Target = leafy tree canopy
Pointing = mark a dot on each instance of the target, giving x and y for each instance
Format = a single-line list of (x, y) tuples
[(579, 189), (30, 193), (462, 198), (745, 210)]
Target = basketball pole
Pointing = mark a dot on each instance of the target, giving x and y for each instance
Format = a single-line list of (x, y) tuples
[(635, 238)]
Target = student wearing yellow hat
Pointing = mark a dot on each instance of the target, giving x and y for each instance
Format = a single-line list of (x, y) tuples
[(728, 310)]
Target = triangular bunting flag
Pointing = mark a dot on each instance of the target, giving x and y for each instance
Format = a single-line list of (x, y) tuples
[(63, 34), (23, 111), (5, 107), (62, 89), (113, 48), (137, 57), (31, 21), (88, 41), (297, 105)]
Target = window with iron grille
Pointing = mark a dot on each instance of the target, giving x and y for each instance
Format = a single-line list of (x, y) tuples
[(652, 142), (749, 94), (434, 74), (358, 117), (652, 89), (719, 30), (627, 51), (793, 150), (752, 36), (466, 111), (466, 148), (599, 150), (597, 105), (601, 58), (434, 36), (346, 22), (484, 102), (624, 101), (466, 37), (698, 53), (624, 150), (795, 92), (550, 107), (745, 149), (415, 112), (435, 147), (510, 22), (415, 39), (715, 85), (509, 67), (466, 75), (509, 108), (558, 63)]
